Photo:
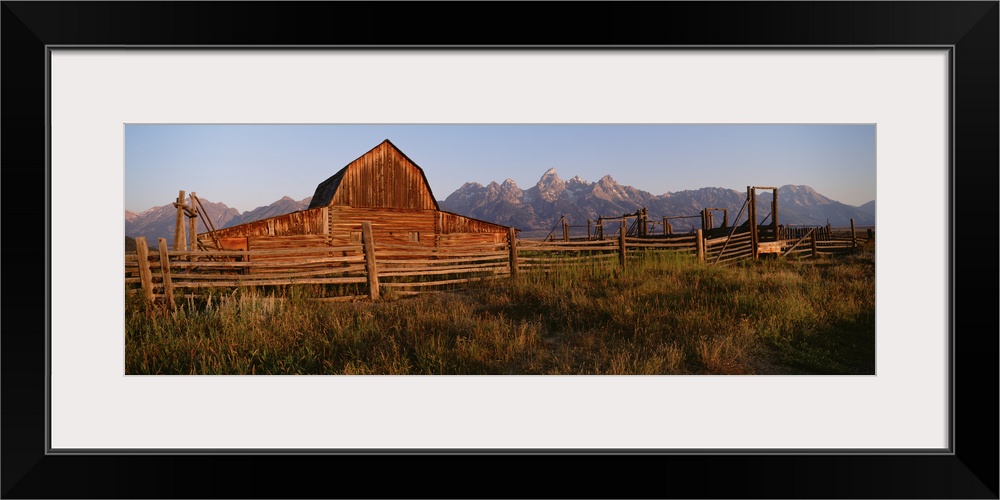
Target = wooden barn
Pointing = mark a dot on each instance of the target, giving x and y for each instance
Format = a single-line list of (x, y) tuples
[(383, 187)]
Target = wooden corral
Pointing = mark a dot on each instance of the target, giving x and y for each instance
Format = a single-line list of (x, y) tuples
[(398, 239), (382, 186)]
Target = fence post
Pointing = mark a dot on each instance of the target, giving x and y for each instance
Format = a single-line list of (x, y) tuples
[(145, 275), (193, 226), (621, 244), (854, 236), (754, 236), (588, 230), (512, 242), (369, 247), (774, 213), (179, 239), (701, 246), (565, 230), (815, 254), (600, 227), (168, 287)]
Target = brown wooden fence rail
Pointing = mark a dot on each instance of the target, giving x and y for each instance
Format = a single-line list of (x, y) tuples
[(367, 268), (407, 269)]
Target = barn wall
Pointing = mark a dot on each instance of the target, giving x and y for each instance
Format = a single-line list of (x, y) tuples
[(310, 228), (388, 225), (384, 177), (453, 223), (394, 226), (305, 222)]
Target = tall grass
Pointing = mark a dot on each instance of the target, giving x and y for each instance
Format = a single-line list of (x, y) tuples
[(663, 314)]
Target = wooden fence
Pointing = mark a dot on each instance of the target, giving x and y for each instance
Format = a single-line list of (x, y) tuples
[(368, 268)]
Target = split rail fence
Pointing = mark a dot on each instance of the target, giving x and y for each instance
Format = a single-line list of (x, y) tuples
[(369, 268)]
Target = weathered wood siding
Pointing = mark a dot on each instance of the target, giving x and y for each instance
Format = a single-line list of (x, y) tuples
[(342, 226), (381, 178), (312, 221), (388, 225), (397, 226), (461, 239), (449, 223)]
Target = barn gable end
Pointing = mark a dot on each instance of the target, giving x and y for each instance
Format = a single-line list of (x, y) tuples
[(383, 177)]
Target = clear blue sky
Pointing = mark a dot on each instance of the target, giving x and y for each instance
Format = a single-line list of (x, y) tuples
[(247, 166)]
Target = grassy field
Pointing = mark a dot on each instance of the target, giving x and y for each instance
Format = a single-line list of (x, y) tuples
[(665, 314)]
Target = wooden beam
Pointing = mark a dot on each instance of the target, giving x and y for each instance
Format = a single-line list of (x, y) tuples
[(774, 214), (372, 271), (754, 237), (512, 242), (621, 244), (701, 246), (168, 287), (179, 239), (803, 238), (193, 224), (145, 275)]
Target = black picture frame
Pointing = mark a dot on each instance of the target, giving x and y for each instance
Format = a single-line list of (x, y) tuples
[(969, 28)]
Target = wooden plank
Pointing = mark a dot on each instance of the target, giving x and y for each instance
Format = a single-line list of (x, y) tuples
[(385, 274), (713, 242), (179, 235), (372, 271), (665, 246), (442, 262), (670, 238), (701, 246), (168, 289), (474, 246), (525, 243), (398, 255), (436, 283), (769, 247), (291, 273), (594, 258), (272, 282), (272, 263), (145, 275), (512, 245), (621, 245), (800, 240), (193, 225)]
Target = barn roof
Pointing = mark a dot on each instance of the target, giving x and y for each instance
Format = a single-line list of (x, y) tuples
[(327, 190)]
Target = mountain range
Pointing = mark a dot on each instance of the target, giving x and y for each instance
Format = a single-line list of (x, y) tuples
[(540, 207)]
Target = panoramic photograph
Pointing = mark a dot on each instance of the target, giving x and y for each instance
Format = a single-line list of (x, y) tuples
[(475, 249)]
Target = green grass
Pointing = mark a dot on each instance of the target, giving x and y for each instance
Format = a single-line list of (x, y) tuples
[(663, 314)]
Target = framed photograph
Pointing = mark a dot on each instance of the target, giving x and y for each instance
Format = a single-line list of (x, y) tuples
[(919, 78)]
